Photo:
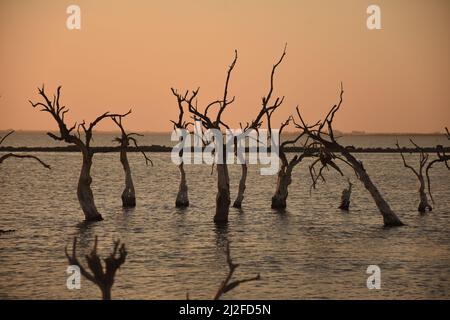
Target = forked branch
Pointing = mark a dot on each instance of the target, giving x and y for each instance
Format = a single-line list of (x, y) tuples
[(103, 277)]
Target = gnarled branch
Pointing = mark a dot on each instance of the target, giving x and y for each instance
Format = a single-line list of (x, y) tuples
[(103, 277)]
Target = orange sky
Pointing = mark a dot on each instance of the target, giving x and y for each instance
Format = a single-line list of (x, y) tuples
[(129, 54)]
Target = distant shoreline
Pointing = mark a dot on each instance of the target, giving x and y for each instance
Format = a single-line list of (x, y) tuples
[(289, 133), (158, 148)]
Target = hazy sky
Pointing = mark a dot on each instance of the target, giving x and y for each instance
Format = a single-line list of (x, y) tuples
[(129, 54)]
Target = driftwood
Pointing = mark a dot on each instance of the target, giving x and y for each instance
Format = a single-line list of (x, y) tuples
[(208, 122), (72, 135), (101, 276), (423, 204), (331, 146), (20, 156), (128, 194)]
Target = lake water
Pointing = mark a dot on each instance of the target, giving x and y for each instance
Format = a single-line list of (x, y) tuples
[(313, 250)]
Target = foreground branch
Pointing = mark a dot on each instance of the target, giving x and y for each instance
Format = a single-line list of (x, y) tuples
[(101, 276), (228, 285)]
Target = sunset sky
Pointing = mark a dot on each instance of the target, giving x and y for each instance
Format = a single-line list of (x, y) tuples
[(129, 54)]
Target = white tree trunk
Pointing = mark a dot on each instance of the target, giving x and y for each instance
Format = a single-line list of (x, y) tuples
[(223, 194), (423, 204), (128, 194), (281, 191), (182, 200), (389, 217), (240, 196), (84, 191)]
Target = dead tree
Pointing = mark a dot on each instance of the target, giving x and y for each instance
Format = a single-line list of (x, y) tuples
[(331, 146), (20, 156), (101, 276), (284, 176), (267, 109), (128, 194), (441, 157), (423, 159), (67, 134), (182, 200), (208, 122), (345, 197)]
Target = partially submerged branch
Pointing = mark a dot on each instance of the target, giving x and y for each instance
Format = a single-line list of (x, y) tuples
[(328, 141), (228, 285), (345, 197)]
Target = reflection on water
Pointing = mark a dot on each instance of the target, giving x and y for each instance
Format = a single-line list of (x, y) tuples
[(312, 250)]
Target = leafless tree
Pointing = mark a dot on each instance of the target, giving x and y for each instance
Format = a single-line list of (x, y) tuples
[(441, 157), (423, 159), (208, 122), (103, 277), (182, 200), (21, 156), (345, 197), (67, 134), (284, 177), (128, 194), (267, 108), (331, 146)]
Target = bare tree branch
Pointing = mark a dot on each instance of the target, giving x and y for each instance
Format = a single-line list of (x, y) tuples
[(103, 277), (13, 155)]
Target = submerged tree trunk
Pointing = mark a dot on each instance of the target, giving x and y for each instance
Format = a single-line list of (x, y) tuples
[(345, 198), (240, 196), (223, 194), (128, 194), (84, 191), (281, 191), (389, 217), (423, 204), (182, 200)]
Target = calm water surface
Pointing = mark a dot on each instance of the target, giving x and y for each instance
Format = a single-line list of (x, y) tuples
[(313, 250)]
